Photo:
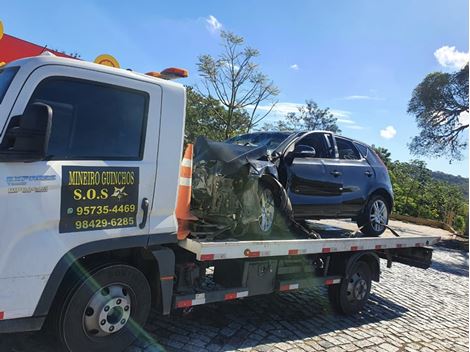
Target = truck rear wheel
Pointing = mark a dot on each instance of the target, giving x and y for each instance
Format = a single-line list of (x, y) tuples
[(350, 296), (104, 311)]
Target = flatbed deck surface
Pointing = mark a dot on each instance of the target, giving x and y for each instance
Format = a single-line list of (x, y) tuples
[(333, 240)]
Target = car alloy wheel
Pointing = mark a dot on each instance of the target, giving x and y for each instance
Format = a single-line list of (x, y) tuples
[(267, 209), (378, 215)]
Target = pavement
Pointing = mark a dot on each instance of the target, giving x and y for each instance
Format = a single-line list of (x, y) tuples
[(410, 309)]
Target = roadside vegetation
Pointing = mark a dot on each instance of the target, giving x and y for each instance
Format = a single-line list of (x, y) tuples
[(419, 193), (232, 88)]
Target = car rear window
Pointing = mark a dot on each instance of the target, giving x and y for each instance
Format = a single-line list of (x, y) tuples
[(362, 149), (346, 150)]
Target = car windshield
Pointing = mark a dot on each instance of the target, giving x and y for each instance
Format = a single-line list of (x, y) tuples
[(270, 139), (6, 76)]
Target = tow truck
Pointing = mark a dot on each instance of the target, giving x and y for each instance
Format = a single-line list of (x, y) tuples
[(89, 176)]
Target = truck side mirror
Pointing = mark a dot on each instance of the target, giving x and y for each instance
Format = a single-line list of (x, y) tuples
[(27, 135), (304, 151)]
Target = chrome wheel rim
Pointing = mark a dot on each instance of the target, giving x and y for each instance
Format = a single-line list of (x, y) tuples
[(378, 215), (267, 209), (107, 311), (357, 288)]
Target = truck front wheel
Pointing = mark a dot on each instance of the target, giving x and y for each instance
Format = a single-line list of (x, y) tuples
[(350, 296), (105, 310)]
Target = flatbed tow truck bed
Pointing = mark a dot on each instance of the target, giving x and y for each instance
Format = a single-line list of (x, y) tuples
[(247, 268)]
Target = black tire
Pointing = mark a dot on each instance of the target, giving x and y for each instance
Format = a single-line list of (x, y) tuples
[(130, 300), (350, 296), (365, 221)]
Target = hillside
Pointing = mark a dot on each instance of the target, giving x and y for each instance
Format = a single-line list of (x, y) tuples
[(459, 181)]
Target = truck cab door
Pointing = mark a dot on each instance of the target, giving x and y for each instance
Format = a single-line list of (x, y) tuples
[(98, 176), (314, 183)]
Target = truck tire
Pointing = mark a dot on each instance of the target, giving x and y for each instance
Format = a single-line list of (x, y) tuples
[(350, 296), (105, 310), (376, 210)]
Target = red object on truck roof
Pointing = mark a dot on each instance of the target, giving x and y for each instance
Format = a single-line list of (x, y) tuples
[(12, 48)]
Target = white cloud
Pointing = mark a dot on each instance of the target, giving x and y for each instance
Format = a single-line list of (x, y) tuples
[(213, 24), (294, 67), (448, 56), (358, 97), (280, 108), (464, 118), (388, 132), (283, 108)]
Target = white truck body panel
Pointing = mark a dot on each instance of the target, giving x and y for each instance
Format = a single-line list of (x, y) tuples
[(30, 242)]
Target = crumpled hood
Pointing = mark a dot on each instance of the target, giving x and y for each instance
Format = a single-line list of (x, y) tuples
[(234, 156)]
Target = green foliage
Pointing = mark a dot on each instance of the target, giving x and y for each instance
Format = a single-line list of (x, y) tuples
[(383, 154), (310, 117), (206, 117), (234, 79), (418, 194), (439, 102)]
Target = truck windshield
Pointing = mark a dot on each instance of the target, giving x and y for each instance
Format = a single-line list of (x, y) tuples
[(6, 76)]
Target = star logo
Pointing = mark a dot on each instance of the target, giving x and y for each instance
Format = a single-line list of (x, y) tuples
[(119, 193)]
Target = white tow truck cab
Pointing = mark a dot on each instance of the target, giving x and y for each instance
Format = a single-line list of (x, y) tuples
[(89, 174)]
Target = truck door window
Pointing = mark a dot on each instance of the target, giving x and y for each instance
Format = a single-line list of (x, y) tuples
[(93, 120), (347, 150), (6, 76)]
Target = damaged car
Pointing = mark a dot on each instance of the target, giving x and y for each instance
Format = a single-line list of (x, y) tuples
[(257, 183)]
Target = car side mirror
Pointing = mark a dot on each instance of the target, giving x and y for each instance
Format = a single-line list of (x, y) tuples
[(27, 135), (304, 151)]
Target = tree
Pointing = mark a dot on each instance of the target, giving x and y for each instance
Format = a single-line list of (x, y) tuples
[(310, 117), (440, 105), (235, 80), (204, 118), (384, 155)]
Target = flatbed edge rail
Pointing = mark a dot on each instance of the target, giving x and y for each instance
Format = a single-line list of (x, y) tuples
[(208, 251)]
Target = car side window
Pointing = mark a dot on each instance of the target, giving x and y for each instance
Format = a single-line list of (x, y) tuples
[(362, 149), (93, 121), (347, 150), (318, 142)]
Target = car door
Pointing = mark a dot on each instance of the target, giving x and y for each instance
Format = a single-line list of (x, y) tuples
[(101, 165), (314, 184), (358, 176)]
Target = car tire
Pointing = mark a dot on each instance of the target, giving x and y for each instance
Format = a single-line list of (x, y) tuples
[(104, 310), (351, 295), (376, 210)]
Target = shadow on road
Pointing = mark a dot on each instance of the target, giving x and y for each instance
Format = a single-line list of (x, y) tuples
[(239, 324), (269, 319)]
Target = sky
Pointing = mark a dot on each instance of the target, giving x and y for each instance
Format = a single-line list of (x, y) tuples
[(360, 58)]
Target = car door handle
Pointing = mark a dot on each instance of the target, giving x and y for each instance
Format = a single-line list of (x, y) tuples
[(145, 208), (368, 173), (335, 173)]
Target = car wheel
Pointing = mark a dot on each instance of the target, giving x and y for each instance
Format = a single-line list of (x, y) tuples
[(104, 311), (375, 215), (350, 296), (267, 213)]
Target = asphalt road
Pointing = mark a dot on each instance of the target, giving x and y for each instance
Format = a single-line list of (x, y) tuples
[(409, 310)]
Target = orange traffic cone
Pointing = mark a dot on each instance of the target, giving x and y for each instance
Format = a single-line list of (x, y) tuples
[(183, 214)]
